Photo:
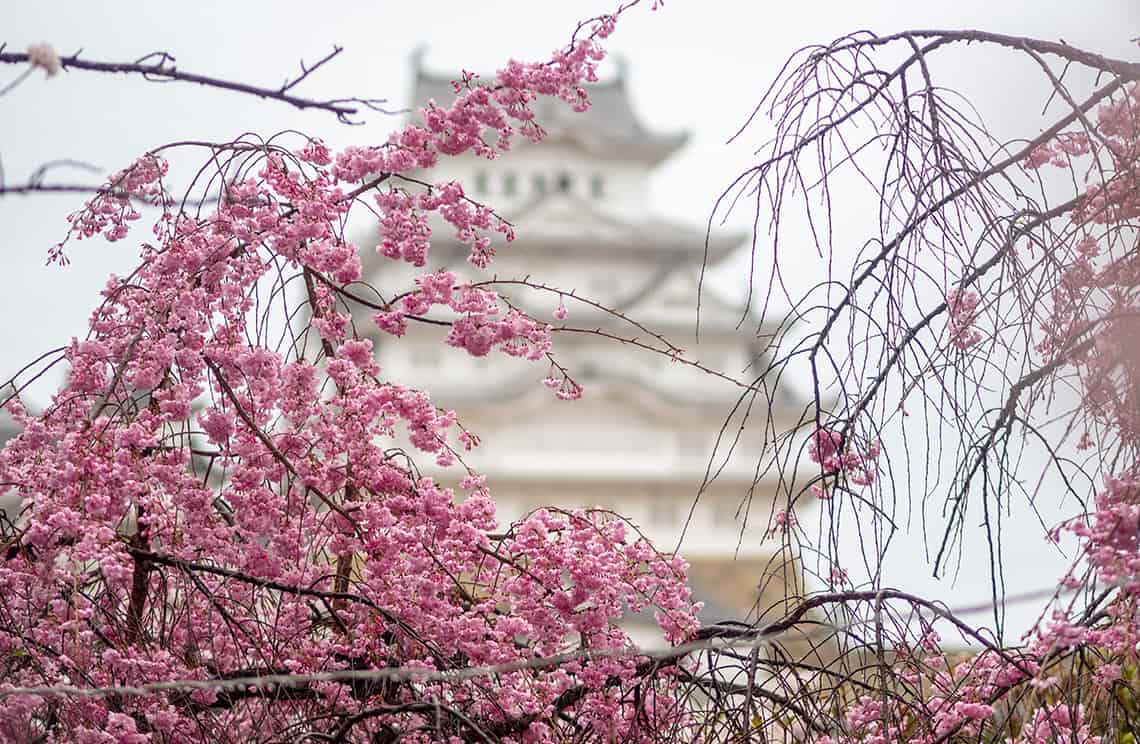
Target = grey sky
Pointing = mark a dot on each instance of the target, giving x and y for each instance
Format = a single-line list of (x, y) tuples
[(694, 65)]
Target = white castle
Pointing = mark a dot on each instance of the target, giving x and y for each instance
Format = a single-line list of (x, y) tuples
[(639, 440)]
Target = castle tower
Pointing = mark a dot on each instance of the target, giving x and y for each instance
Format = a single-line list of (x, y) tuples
[(639, 440)]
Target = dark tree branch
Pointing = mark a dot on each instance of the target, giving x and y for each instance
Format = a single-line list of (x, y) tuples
[(163, 69)]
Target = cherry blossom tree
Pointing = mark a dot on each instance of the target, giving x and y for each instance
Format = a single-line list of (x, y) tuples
[(223, 534), (976, 351)]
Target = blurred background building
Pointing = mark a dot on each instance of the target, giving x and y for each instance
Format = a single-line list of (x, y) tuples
[(641, 439)]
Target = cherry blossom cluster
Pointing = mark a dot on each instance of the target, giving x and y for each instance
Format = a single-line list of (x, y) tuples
[(1095, 305), (962, 307), (482, 119), (827, 447), (1112, 537), (111, 211), (479, 327), (563, 386), (1059, 151), (782, 521), (406, 231), (958, 704), (1057, 722)]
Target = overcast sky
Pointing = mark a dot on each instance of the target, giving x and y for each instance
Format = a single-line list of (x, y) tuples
[(695, 65)]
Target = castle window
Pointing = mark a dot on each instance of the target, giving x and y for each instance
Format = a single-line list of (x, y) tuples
[(510, 184), (597, 186), (482, 183), (538, 181), (564, 182)]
